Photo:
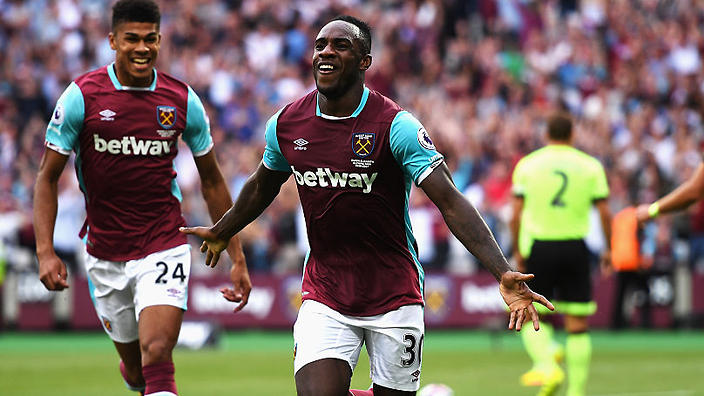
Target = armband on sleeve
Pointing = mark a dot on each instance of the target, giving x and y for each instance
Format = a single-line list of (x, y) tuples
[(653, 210)]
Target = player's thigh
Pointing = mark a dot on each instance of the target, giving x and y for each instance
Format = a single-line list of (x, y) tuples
[(159, 326), (324, 377), (161, 278), (322, 333), (113, 298), (541, 263), (574, 282), (395, 346)]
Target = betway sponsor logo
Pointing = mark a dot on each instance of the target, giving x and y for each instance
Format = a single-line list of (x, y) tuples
[(481, 299), (128, 145), (324, 177)]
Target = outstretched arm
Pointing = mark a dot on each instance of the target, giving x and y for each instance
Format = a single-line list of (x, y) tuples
[(218, 200), (686, 194), (257, 194), (52, 271), (515, 227), (468, 226)]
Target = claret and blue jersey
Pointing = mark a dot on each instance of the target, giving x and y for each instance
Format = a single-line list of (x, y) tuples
[(354, 176), (125, 139)]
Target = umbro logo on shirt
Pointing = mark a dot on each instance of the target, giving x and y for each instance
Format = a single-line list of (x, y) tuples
[(300, 144), (107, 115)]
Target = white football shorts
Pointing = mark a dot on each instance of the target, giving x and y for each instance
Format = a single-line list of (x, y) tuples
[(394, 342), (120, 290)]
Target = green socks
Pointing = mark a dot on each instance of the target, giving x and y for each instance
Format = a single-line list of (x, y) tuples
[(539, 345), (578, 354), (578, 357)]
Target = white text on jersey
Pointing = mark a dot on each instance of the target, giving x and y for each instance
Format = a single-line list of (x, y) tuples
[(129, 145), (324, 177)]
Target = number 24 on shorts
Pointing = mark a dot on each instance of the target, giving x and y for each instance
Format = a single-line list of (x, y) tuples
[(176, 274)]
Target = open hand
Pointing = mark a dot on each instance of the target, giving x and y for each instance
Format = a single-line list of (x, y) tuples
[(242, 286), (519, 298)]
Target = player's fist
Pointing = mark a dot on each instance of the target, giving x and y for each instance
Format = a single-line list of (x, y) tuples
[(52, 273)]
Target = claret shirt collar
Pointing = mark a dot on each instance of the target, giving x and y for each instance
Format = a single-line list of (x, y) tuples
[(365, 96), (118, 86)]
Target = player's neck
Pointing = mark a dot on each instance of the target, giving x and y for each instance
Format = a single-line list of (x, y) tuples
[(565, 143), (342, 106), (127, 80)]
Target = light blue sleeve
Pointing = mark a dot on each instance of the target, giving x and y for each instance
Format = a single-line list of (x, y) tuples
[(197, 132), (412, 147), (66, 121), (273, 158)]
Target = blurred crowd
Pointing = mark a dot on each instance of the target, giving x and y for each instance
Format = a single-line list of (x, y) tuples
[(482, 76)]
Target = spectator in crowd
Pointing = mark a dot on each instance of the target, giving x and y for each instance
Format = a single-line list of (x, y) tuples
[(481, 74)]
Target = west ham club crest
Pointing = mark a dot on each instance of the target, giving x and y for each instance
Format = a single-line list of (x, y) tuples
[(363, 143), (166, 115)]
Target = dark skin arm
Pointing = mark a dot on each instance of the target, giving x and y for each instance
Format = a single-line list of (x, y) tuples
[(218, 200), (515, 227), (468, 226), (257, 194), (52, 271)]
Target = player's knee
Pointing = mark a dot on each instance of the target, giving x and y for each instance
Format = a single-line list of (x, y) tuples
[(576, 324), (155, 351)]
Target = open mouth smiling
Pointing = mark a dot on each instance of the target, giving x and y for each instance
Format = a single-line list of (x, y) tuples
[(326, 68), (140, 61)]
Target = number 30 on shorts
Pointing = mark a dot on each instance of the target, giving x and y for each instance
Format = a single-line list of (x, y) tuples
[(413, 348), (177, 272)]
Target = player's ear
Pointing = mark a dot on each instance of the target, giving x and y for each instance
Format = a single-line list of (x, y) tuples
[(366, 62), (112, 38)]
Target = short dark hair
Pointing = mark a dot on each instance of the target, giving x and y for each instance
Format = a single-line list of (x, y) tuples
[(366, 37), (135, 11), (560, 127)]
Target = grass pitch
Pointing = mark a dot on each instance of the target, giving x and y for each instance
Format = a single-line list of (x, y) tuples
[(260, 363)]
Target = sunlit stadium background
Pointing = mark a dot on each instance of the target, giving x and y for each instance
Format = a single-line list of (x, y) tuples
[(481, 75)]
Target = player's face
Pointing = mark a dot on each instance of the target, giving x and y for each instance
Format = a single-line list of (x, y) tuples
[(136, 46), (338, 63)]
